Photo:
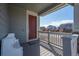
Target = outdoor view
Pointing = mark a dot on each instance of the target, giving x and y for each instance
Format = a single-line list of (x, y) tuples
[(54, 26), (58, 21)]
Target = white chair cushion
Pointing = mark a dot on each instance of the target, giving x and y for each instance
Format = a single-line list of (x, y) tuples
[(11, 35), (11, 46), (16, 44)]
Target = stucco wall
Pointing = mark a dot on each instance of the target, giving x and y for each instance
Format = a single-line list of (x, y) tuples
[(3, 20), (18, 22)]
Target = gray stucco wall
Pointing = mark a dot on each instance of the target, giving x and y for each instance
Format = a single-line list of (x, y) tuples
[(3, 20), (18, 22)]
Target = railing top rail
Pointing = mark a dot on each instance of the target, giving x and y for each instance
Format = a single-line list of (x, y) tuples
[(60, 33)]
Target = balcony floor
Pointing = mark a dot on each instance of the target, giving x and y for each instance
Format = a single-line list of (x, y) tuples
[(45, 52), (49, 50)]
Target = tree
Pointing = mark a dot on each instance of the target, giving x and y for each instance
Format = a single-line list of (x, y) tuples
[(42, 28)]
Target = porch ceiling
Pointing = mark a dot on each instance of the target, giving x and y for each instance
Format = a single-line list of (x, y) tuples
[(38, 7)]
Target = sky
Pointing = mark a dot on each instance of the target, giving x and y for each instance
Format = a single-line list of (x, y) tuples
[(63, 15)]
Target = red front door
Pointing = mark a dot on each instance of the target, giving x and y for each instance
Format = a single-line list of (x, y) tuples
[(32, 27)]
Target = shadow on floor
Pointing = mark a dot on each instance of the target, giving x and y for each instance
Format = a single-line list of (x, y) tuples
[(50, 48)]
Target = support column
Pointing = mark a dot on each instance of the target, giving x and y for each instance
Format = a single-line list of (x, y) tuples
[(70, 45)]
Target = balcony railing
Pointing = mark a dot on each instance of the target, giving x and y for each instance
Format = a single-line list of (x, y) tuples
[(53, 38)]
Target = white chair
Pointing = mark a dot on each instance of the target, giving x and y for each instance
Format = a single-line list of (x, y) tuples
[(11, 46)]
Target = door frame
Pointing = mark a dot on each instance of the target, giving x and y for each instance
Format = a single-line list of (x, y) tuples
[(27, 24)]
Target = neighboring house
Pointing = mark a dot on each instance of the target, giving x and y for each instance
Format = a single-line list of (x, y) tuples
[(51, 28), (65, 27)]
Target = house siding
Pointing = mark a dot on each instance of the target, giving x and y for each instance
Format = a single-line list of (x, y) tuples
[(76, 18), (3, 20), (18, 22)]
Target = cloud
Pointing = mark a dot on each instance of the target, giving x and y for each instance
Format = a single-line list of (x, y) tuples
[(44, 25), (57, 23)]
